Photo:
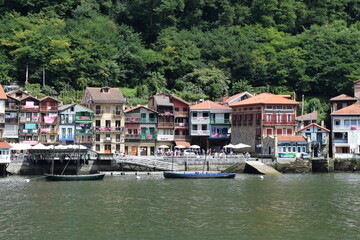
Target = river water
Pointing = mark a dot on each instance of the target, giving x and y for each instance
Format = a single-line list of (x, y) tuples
[(294, 206)]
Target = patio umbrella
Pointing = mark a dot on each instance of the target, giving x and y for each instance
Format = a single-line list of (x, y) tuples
[(195, 146), (229, 146), (241, 145), (163, 146)]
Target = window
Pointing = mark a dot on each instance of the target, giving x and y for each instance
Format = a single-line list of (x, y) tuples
[(176, 109), (97, 123), (117, 123), (205, 114), (203, 127), (269, 107), (289, 117), (347, 123), (299, 149), (97, 109), (195, 127), (107, 123), (117, 147), (135, 131), (194, 114), (279, 132), (269, 117), (185, 109), (143, 115), (269, 132), (336, 122), (97, 137), (129, 131), (97, 147)]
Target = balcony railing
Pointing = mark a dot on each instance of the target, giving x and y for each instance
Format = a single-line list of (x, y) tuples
[(219, 121), (220, 136), (148, 136), (140, 120), (49, 108), (279, 122), (34, 108), (182, 138), (67, 121), (108, 129), (340, 140), (83, 131), (48, 130), (181, 114), (12, 108), (200, 120), (98, 113), (83, 118), (29, 119), (118, 113), (165, 137), (181, 125), (166, 124), (28, 131), (200, 132), (132, 136), (107, 140)]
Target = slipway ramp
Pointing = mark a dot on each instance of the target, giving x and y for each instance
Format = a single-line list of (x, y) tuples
[(257, 167)]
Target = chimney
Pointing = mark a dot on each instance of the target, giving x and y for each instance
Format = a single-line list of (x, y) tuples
[(357, 90), (224, 98)]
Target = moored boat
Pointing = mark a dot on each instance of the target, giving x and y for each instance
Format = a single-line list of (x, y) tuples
[(198, 175), (55, 177)]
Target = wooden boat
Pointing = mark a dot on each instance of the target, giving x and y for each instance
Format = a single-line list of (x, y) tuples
[(198, 175), (55, 177)]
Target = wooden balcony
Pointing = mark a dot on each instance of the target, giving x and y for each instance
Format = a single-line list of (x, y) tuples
[(181, 114), (181, 125), (278, 122), (165, 125)]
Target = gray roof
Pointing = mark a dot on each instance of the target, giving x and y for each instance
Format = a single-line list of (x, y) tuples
[(106, 95), (162, 100), (66, 106)]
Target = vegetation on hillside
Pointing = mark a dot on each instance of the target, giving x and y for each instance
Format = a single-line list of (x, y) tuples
[(194, 48)]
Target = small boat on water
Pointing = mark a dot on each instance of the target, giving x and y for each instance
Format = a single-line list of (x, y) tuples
[(198, 175), (56, 177)]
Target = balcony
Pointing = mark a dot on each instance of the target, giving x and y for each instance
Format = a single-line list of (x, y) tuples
[(49, 120), (220, 136), (33, 119), (219, 121), (148, 136), (278, 122), (98, 113), (132, 136), (181, 114), (83, 131), (11, 134), (30, 108), (181, 125), (66, 137), (108, 129), (200, 120), (67, 121), (83, 118), (28, 131), (200, 132), (118, 113), (107, 140), (12, 107), (165, 124), (46, 108), (48, 131)]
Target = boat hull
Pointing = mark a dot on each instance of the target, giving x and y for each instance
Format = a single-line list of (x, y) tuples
[(198, 175), (86, 177)]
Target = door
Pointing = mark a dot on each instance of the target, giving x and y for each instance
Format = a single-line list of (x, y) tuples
[(107, 148), (143, 151), (133, 150)]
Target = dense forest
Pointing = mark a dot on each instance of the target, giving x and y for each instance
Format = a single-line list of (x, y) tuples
[(194, 48)]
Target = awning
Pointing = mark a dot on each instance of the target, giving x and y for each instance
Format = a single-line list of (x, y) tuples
[(182, 143)]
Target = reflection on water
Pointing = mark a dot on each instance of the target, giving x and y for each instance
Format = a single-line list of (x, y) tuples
[(308, 206)]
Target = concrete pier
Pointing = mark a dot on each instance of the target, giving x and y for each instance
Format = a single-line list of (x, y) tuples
[(257, 167)]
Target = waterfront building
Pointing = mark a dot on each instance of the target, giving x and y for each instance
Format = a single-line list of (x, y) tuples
[(260, 116), (163, 104), (318, 138), (48, 122), (210, 124), (11, 133), (140, 131), (181, 121), (29, 120), (286, 148), (75, 125), (5, 153), (236, 98), (108, 120), (3, 99), (306, 119), (346, 131)]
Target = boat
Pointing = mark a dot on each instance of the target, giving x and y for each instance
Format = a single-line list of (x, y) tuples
[(198, 175), (57, 177)]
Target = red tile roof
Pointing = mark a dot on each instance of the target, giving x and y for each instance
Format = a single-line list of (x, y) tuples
[(2, 93), (207, 105), (342, 97), (307, 117), (46, 97), (265, 98), (180, 99), (140, 106), (313, 124), (353, 109), (291, 139), (5, 145), (236, 96)]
